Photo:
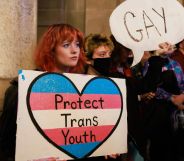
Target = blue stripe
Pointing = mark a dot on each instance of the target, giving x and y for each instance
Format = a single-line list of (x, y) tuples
[(53, 83), (80, 150), (101, 86)]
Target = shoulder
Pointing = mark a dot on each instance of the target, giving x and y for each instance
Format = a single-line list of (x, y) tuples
[(13, 86), (91, 71), (11, 95)]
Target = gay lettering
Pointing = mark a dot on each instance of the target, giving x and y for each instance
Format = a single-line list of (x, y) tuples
[(148, 24)]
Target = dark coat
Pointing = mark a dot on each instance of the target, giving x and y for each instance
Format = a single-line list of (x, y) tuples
[(157, 112), (8, 122)]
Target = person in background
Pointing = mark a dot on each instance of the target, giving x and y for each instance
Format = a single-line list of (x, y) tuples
[(139, 72), (60, 50), (139, 69), (166, 52), (120, 68), (98, 48), (178, 54), (164, 77), (176, 65), (121, 59), (178, 100)]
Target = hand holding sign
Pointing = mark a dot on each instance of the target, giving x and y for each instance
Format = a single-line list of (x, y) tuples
[(142, 25)]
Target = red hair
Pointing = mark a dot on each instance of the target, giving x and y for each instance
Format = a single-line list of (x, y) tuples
[(44, 55)]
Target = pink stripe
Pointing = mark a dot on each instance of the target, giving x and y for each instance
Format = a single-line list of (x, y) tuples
[(46, 101), (98, 134)]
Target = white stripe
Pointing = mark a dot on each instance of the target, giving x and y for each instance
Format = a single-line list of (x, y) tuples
[(49, 119)]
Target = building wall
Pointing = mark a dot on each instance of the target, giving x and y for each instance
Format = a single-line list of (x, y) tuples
[(17, 39), (97, 15), (49, 12), (60, 11), (87, 15)]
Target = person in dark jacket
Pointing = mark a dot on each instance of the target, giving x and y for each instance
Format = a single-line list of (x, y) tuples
[(60, 50), (164, 78), (98, 49), (120, 68), (8, 123)]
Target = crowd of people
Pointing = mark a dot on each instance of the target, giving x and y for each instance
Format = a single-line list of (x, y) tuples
[(155, 90)]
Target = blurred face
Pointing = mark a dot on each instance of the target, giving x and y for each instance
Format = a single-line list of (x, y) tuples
[(67, 54), (102, 52), (124, 56)]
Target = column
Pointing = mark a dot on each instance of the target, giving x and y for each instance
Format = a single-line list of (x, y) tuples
[(17, 39)]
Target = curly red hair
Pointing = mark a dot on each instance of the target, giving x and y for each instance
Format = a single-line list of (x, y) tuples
[(44, 57)]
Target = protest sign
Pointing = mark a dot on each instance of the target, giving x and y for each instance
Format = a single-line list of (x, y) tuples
[(142, 25), (70, 116)]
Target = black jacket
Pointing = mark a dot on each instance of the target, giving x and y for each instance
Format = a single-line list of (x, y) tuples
[(8, 122)]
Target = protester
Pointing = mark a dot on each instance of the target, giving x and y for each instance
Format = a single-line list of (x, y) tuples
[(59, 50), (98, 49)]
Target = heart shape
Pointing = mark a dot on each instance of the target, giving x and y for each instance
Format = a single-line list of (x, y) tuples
[(77, 123)]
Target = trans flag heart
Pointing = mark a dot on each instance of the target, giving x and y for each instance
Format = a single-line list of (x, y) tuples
[(75, 122)]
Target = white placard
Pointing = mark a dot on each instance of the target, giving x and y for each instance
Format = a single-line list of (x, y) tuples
[(143, 24), (70, 116)]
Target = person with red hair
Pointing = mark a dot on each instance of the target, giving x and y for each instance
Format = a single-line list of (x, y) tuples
[(59, 50)]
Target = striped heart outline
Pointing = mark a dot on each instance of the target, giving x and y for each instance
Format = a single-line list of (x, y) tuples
[(36, 124)]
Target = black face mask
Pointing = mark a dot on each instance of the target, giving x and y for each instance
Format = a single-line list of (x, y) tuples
[(102, 65)]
